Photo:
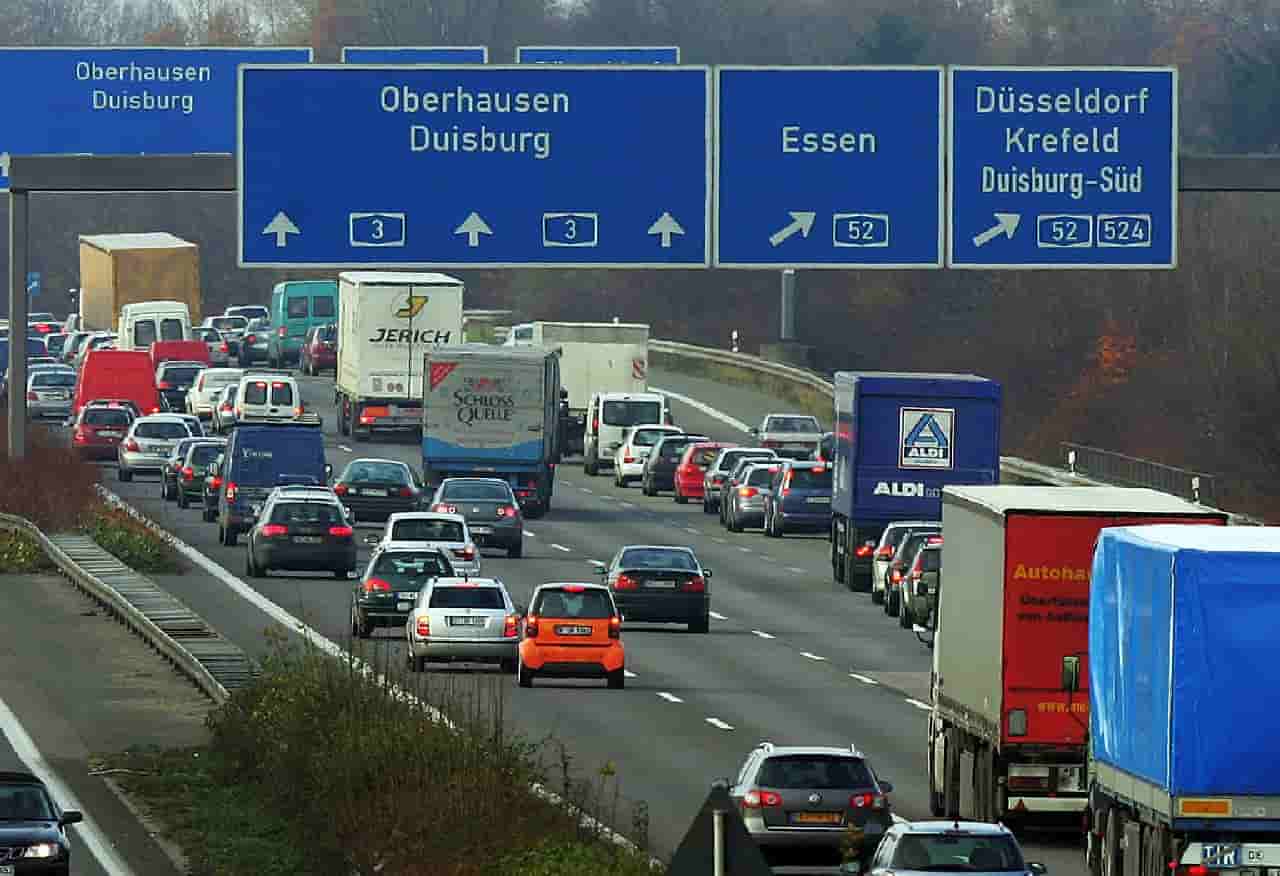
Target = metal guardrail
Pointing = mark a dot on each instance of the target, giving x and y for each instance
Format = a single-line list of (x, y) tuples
[(805, 378), (1117, 468), (181, 636)]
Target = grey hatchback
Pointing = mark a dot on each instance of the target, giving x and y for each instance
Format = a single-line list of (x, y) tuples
[(970, 847), (490, 508)]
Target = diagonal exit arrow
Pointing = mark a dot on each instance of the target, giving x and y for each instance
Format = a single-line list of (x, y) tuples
[(1006, 224), (801, 222)]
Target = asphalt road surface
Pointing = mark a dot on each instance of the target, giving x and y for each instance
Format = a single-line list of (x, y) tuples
[(791, 657)]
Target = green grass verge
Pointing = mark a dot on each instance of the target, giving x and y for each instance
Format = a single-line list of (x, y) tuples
[(805, 400), (20, 554), (129, 540)]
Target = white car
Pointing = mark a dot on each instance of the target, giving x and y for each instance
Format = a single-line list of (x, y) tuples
[(204, 394), (464, 619), (219, 349), (637, 443), (449, 532), (268, 396)]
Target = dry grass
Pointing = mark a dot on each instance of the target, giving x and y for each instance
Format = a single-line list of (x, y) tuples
[(51, 487)]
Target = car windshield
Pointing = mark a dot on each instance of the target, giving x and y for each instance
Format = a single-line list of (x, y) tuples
[(631, 413), (477, 491), (810, 478), (214, 380), (365, 472), (957, 853), (467, 597), (911, 543), (162, 431), (730, 460), (791, 424), (54, 378), (931, 560), (410, 568), (106, 417), (587, 604), (24, 803), (657, 558), (229, 323), (208, 335), (203, 454), (427, 530), (647, 437), (183, 374), (818, 771), (306, 514)]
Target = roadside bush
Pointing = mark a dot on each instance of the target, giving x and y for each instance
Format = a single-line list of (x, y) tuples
[(128, 540), (51, 487), (20, 554)]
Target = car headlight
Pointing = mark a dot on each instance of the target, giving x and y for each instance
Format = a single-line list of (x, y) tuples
[(43, 850)]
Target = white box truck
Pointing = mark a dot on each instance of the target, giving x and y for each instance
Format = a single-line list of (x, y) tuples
[(387, 321)]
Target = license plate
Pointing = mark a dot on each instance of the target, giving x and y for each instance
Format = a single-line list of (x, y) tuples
[(466, 621), (573, 631), (482, 530), (1220, 855), (819, 500), (109, 434), (816, 818), (372, 492), (661, 585), (306, 539), (403, 606)]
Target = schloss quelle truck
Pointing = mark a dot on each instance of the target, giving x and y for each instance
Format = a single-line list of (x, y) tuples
[(1184, 671), (1010, 718)]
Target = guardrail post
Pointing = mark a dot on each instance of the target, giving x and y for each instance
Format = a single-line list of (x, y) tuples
[(1195, 489), (1071, 461), (718, 841)]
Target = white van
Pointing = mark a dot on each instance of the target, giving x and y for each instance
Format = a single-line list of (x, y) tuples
[(610, 415), (144, 323)]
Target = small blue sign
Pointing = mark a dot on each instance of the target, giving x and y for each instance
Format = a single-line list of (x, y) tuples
[(829, 167), (117, 101), (456, 166), (415, 54), (1056, 167), (33, 284), (597, 54)]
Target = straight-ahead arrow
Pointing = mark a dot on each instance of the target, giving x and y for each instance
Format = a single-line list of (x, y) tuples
[(473, 226), (281, 226), (665, 226), (800, 221), (1006, 224)]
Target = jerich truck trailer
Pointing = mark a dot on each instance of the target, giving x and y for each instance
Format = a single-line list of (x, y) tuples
[(1010, 697), (1184, 667), (120, 269)]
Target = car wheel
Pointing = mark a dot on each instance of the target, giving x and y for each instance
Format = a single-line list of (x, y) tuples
[(904, 615), (516, 550), (360, 627), (893, 604), (646, 487), (124, 474), (702, 625), (182, 499), (209, 514), (508, 666), (227, 535), (250, 567), (524, 675), (706, 506), (591, 466), (617, 679), (681, 500), (877, 596)]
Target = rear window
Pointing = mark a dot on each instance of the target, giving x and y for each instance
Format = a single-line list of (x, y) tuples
[(144, 333), (805, 478), (171, 329), (931, 560), (184, 374), (647, 437), (203, 454), (376, 472), (281, 393), (909, 545), (322, 306), (411, 568), (162, 431), (467, 597), (631, 413), (57, 378), (820, 772), (208, 335), (957, 852), (672, 448), (229, 323), (55, 343), (306, 513), (760, 476), (484, 492), (427, 530), (587, 604), (296, 308), (256, 393), (657, 558), (729, 460), (214, 379), (791, 424), (106, 417)]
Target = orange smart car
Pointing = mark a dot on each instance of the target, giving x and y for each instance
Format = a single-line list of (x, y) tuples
[(572, 631)]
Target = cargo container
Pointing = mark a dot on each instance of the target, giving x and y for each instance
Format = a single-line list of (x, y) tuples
[(1010, 698), (1185, 738), (899, 438), (120, 269)]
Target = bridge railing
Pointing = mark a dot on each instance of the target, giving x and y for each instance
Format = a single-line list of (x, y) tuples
[(1131, 471)]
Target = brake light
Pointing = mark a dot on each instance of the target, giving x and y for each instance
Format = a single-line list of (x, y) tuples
[(253, 339), (164, 384), (696, 584), (224, 348), (761, 799), (271, 530), (506, 511), (573, 588), (595, 424), (281, 332), (934, 539), (531, 627), (231, 491), (897, 575), (31, 396), (916, 573), (1193, 870), (866, 801), (466, 553), (154, 410), (747, 492), (188, 473), (341, 531), (405, 492), (786, 483), (423, 626), (628, 459), (441, 508), (216, 483), (885, 552), (132, 446), (377, 585), (625, 582), (224, 407), (340, 489), (511, 627), (615, 627), (297, 412), (770, 443), (79, 435)]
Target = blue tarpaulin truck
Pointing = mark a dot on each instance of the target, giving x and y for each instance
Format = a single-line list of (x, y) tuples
[(1184, 666), (900, 438), (493, 412)]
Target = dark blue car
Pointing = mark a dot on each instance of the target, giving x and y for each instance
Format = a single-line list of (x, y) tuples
[(799, 499), (257, 459)]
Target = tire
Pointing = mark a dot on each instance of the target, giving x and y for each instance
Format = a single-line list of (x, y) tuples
[(183, 502), (646, 487), (124, 474), (209, 514), (361, 435), (250, 567), (508, 666), (524, 675), (516, 551), (731, 522), (905, 618), (681, 500), (226, 536), (893, 603), (706, 506), (617, 679), (702, 625), (937, 802), (877, 596), (360, 628), (591, 466)]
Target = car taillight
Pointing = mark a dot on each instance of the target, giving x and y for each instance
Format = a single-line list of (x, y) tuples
[(625, 582), (164, 384), (188, 473), (595, 424), (761, 799), (225, 408), (423, 626), (916, 573), (441, 508), (224, 348), (231, 491), (377, 585), (253, 339), (896, 576), (747, 492), (132, 446), (406, 492), (31, 396), (863, 550), (885, 552), (154, 410), (615, 627), (531, 627), (79, 435), (696, 584), (340, 489), (866, 801), (786, 484), (297, 412), (281, 331), (215, 483), (770, 443), (506, 511), (466, 553), (341, 531), (511, 627), (272, 530), (628, 458)]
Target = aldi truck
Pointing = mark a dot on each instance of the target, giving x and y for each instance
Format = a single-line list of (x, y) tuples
[(1184, 733), (491, 412), (386, 323), (1010, 692), (899, 439)]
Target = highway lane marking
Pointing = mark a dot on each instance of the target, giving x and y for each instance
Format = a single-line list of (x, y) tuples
[(745, 550), (715, 614), (87, 831), (811, 656), (704, 408), (561, 547), (797, 570), (345, 449), (717, 723), (690, 530), (628, 673), (530, 534), (627, 505), (762, 634), (919, 705), (671, 698), (718, 540), (585, 489), (597, 564), (863, 678), (769, 559)]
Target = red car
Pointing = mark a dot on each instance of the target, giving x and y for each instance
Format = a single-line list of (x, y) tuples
[(692, 467), (98, 429), (319, 350)]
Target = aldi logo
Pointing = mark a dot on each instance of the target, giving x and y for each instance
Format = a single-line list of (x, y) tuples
[(926, 438)]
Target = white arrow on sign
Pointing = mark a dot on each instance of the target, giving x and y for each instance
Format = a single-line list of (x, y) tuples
[(1006, 224), (473, 226), (666, 226), (281, 226), (800, 221)]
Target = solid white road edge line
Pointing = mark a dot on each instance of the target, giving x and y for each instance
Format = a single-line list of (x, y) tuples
[(283, 617), (919, 705), (88, 832), (561, 547), (797, 570), (671, 698), (716, 722), (704, 408), (863, 678), (762, 634)]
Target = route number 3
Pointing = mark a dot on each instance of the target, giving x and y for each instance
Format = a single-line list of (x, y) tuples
[(378, 229), (571, 229)]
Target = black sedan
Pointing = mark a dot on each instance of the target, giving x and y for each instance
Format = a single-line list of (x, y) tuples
[(377, 488), (301, 530), (660, 466), (389, 589), (660, 584), (33, 826)]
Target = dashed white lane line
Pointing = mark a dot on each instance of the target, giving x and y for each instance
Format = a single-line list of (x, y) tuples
[(718, 540), (628, 673), (797, 570), (669, 697), (718, 724), (811, 656), (596, 563), (769, 559), (345, 449), (530, 534), (627, 505), (585, 489), (561, 547), (706, 409), (863, 678), (691, 530), (919, 705), (718, 616), (762, 634)]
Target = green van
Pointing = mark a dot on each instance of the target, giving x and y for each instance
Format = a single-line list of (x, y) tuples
[(297, 305)]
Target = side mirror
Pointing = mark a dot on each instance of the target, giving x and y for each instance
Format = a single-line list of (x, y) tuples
[(70, 816), (1037, 868), (754, 430), (1071, 674), (706, 573), (887, 787)]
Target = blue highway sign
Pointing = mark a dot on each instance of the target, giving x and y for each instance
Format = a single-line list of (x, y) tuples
[(1055, 167), (415, 54), (33, 284), (597, 54), (115, 101), (829, 167), (456, 166)]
